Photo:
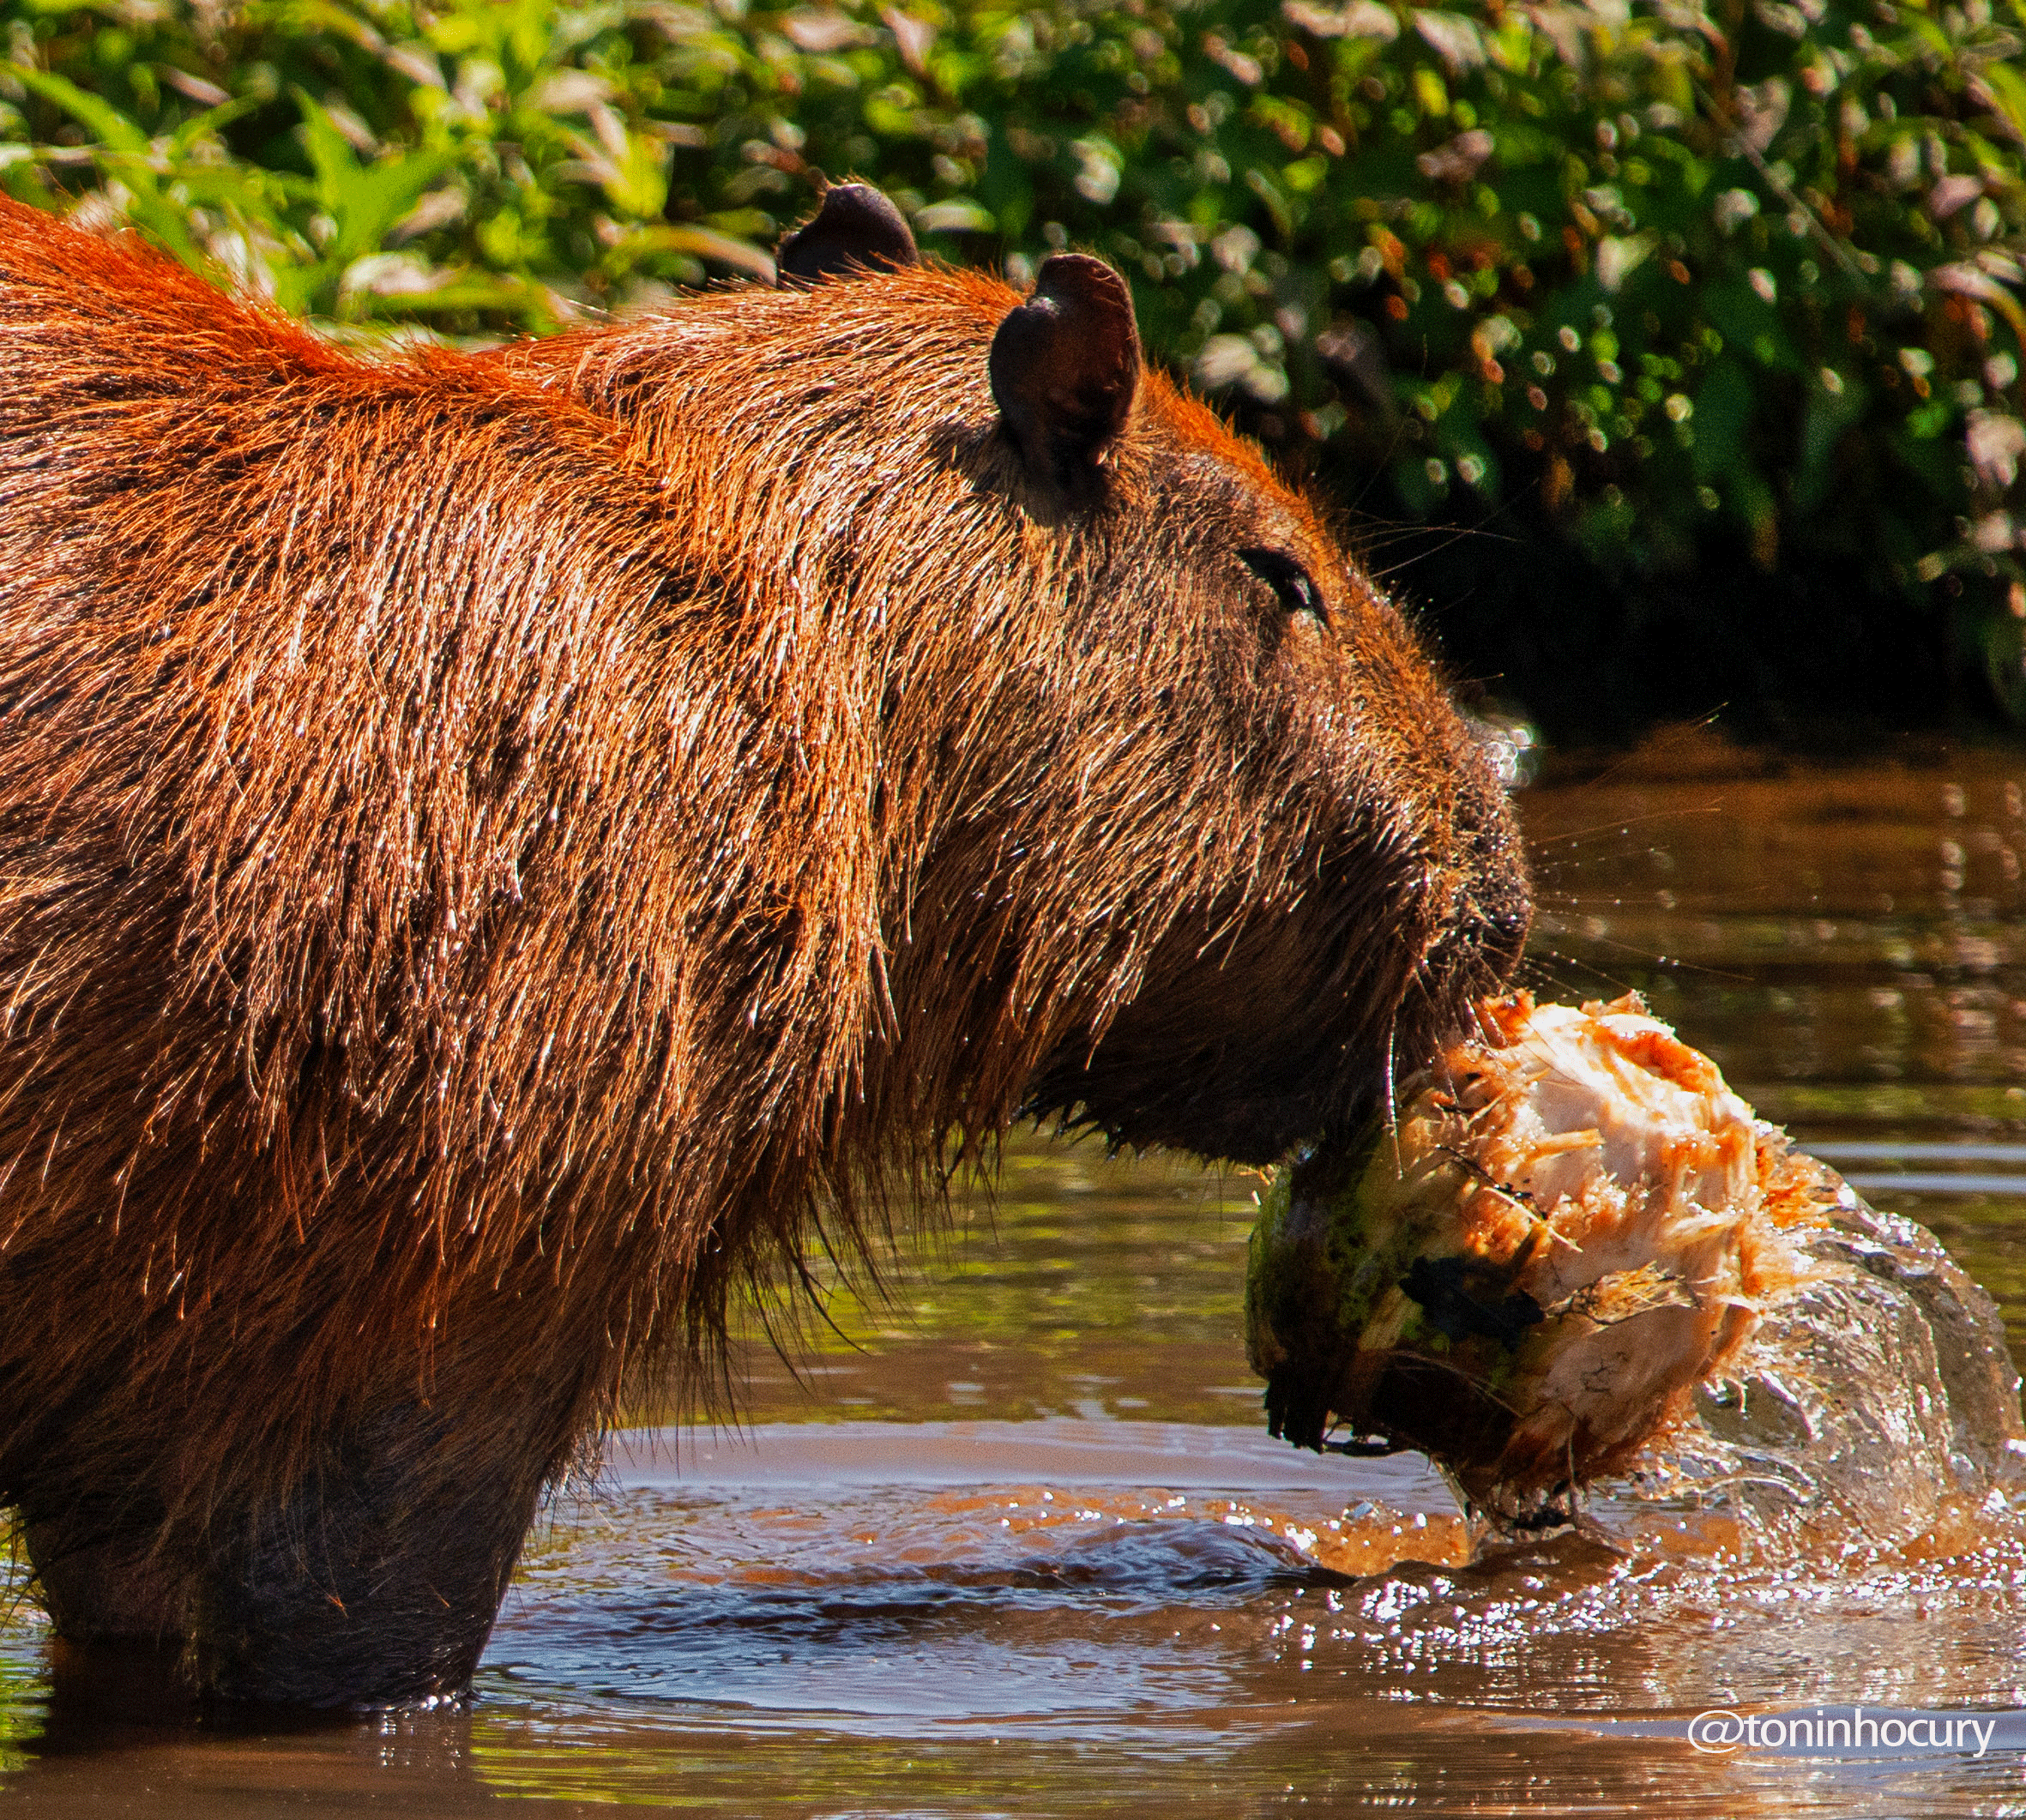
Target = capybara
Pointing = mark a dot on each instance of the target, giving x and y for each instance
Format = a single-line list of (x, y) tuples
[(500, 851)]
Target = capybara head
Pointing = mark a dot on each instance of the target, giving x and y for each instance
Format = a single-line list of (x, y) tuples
[(1175, 831)]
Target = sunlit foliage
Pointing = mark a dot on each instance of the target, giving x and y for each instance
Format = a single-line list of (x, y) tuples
[(1668, 289)]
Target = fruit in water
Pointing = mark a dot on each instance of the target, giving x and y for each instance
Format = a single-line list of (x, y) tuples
[(1573, 1223)]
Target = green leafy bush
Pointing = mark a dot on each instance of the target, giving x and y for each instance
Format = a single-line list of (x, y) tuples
[(1707, 322)]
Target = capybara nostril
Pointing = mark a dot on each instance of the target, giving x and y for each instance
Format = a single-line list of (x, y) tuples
[(1499, 892), (1510, 924)]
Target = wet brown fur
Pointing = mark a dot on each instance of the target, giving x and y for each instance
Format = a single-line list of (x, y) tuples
[(495, 849)]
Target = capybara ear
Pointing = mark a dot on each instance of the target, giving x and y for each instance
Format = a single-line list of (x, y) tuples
[(856, 229), (1065, 365)]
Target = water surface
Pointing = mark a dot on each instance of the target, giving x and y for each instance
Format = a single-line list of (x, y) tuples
[(1013, 1540)]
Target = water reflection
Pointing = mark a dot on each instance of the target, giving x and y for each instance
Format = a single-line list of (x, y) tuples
[(1135, 1604)]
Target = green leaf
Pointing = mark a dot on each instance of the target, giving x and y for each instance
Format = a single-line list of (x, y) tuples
[(2003, 88), (99, 117), (364, 200)]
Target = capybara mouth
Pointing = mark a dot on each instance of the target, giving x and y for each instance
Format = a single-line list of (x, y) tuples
[(1299, 1032), (1263, 1091), (1290, 1042)]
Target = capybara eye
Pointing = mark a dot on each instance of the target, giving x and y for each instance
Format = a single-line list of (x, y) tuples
[(1294, 585)]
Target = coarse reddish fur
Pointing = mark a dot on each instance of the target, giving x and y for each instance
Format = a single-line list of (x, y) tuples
[(495, 849)]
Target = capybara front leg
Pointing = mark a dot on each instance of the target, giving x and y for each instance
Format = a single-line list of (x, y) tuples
[(100, 1570), (377, 1580)]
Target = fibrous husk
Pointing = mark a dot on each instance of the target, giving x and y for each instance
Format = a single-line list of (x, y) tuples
[(1573, 1226)]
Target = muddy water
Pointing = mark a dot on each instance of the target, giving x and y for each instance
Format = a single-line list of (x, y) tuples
[(1014, 1542)]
